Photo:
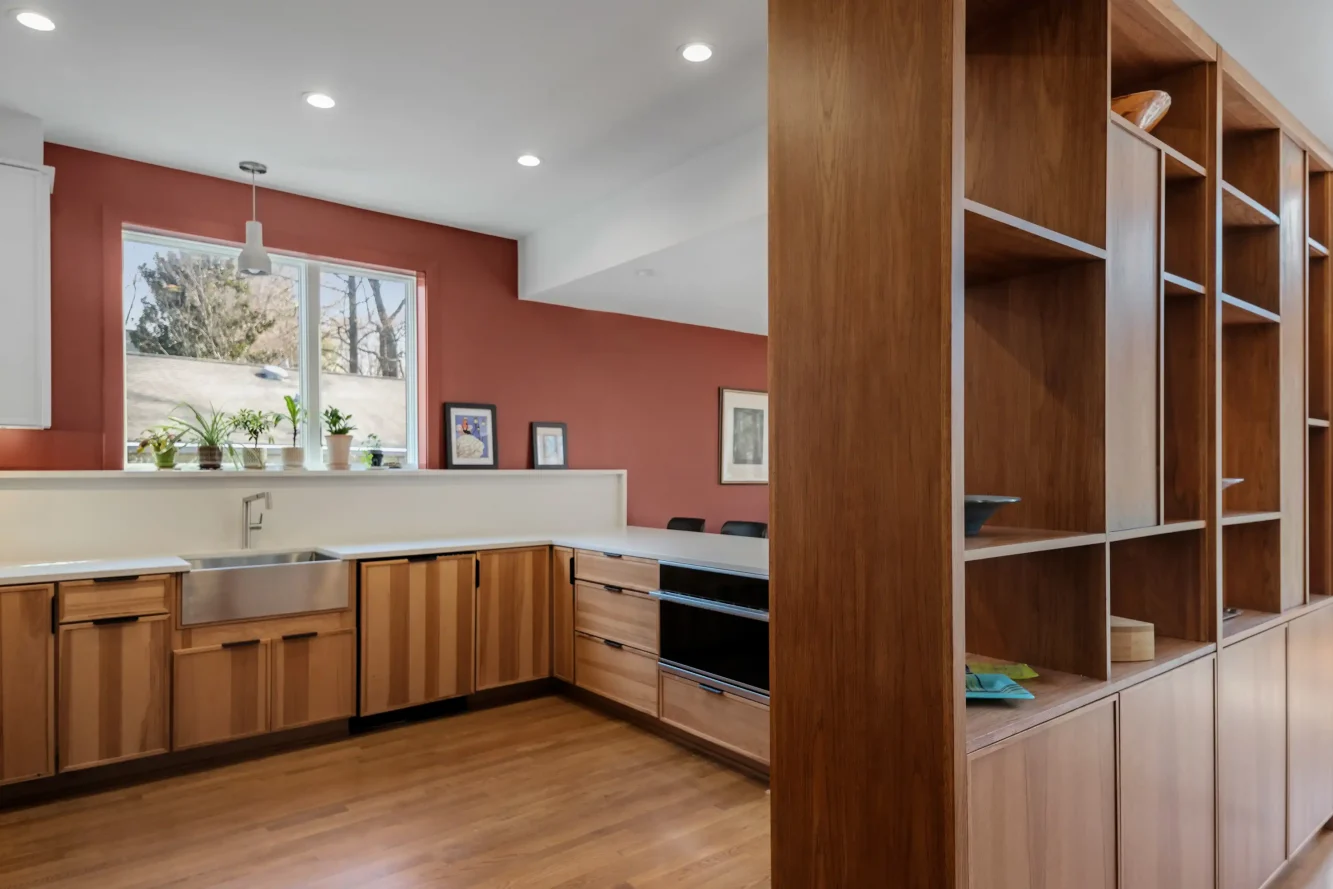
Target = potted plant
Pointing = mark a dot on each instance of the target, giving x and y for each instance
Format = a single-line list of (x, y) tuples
[(294, 456), (339, 439), (253, 424), (209, 433), (374, 451), (163, 441)]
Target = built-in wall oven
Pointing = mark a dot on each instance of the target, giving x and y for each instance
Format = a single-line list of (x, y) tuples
[(714, 628)]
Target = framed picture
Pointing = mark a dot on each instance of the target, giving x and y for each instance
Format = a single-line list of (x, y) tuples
[(743, 424), (469, 436), (548, 446)]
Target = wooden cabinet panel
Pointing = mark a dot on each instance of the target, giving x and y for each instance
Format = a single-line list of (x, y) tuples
[(416, 632), (84, 600), (513, 617), (621, 571), (562, 613), (727, 720), (112, 701), (1310, 724), (618, 615), (1252, 758), (1042, 806), (219, 693), (621, 674), (314, 678), (27, 684), (1167, 800)]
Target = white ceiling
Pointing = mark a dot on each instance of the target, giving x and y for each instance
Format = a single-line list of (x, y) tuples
[(436, 98)]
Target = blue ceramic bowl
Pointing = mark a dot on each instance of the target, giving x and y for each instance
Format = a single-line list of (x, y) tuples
[(978, 508)]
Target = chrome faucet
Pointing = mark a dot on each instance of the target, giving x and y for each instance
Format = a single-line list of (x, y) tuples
[(247, 525)]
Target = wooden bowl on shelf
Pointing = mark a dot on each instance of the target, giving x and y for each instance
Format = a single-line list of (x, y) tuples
[(1145, 110), (978, 508)]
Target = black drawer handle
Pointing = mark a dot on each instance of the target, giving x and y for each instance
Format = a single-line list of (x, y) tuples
[(128, 578), (615, 645), (106, 621), (613, 555), (711, 690), (612, 589), (245, 644), (293, 636)]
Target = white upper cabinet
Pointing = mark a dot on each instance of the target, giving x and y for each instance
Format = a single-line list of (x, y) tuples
[(25, 296)]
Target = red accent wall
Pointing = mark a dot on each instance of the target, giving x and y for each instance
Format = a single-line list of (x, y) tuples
[(637, 394)]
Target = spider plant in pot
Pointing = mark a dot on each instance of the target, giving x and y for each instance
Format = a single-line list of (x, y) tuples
[(163, 441), (373, 448), (294, 456), (339, 439), (254, 424), (209, 433)]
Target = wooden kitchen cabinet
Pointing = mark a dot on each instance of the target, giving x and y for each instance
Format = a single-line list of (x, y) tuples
[(607, 668), (1167, 787), (314, 678), (1252, 759), (1042, 806), (1310, 725), (620, 615), (513, 617), (416, 631), (220, 693), (112, 701), (27, 683), (728, 720), (562, 613)]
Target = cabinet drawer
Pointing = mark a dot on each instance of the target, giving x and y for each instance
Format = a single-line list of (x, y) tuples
[(84, 600), (220, 693), (621, 674), (615, 614), (314, 678), (621, 571), (727, 720)]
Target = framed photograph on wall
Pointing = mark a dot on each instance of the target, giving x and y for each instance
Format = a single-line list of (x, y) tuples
[(743, 424), (548, 446), (469, 436)]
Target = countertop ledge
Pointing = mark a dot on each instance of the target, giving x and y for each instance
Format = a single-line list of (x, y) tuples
[(86, 569)]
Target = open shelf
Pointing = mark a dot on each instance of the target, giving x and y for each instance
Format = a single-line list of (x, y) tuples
[(1239, 210), (998, 245), (1248, 623), (1178, 166), (1170, 527), (1317, 250), (1316, 423), (1238, 311), (1178, 286), (1169, 653), (997, 542), (1246, 517)]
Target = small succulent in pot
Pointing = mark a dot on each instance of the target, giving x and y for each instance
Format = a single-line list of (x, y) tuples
[(293, 457), (254, 425), (339, 439), (208, 432), (374, 451), (164, 442)]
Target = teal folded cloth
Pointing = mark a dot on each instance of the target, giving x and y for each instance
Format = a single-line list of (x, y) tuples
[(994, 687)]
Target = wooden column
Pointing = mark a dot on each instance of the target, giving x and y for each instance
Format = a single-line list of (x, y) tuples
[(865, 353)]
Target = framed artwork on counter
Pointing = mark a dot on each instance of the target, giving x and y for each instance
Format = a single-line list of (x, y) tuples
[(549, 446), (743, 430), (469, 436)]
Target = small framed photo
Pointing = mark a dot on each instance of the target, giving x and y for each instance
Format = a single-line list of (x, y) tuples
[(743, 428), (469, 436), (548, 446)]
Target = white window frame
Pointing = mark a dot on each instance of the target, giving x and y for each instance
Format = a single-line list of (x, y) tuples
[(309, 292)]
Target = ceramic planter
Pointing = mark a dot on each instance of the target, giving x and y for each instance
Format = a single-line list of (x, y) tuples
[(293, 458), (165, 459), (210, 457), (376, 458), (252, 458), (340, 451)]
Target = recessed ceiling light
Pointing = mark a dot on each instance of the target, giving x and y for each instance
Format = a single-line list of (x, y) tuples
[(529, 160), (696, 52), (320, 100), (34, 20)]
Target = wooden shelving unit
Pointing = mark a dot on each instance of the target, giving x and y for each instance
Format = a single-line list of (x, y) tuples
[(1319, 383)]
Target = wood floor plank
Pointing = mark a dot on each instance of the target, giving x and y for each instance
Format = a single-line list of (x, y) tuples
[(543, 794)]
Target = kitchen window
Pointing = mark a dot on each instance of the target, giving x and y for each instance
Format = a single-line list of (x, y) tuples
[(326, 333)]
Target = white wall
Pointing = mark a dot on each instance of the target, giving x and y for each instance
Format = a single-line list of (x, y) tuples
[(81, 515), (21, 137)]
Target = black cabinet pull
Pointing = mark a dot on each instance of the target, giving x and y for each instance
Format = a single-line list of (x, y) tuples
[(477, 562), (571, 567), (55, 613), (711, 690), (613, 555), (293, 636), (128, 578), (612, 589), (616, 645), (105, 621), (244, 644), (428, 557)]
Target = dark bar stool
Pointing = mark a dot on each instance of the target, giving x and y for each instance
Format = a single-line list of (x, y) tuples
[(745, 529), (686, 525)]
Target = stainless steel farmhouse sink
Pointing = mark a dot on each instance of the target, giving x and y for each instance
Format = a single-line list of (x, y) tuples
[(258, 585)]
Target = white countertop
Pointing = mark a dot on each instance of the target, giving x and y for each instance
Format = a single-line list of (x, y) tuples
[(85, 569)]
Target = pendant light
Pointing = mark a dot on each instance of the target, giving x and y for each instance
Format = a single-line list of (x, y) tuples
[(254, 260)]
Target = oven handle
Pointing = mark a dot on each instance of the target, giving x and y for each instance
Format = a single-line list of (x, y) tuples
[(709, 605)]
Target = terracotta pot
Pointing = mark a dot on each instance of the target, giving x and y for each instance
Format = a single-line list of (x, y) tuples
[(165, 459), (253, 458), (340, 451), (293, 458), (210, 457)]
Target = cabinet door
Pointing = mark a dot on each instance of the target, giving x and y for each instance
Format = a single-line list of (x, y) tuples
[(25, 298), (112, 700), (220, 693), (416, 631), (513, 617), (1042, 808), (1167, 800), (1310, 722), (313, 678), (562, 613), (27, 689), (1252, 763)]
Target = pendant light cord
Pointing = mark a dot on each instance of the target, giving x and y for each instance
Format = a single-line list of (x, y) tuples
[(254, 197)]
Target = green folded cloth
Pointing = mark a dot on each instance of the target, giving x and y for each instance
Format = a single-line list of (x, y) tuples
[(1013, 671), (994, 687)]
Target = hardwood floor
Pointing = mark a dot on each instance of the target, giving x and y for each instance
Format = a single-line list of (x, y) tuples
[(543, 794), (1312, 868)]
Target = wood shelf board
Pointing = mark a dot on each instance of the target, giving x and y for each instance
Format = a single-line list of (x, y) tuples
[(1251, 623), (1169, 527), (998, 245), (1178, 286), (1237, 311), (1317, 250), (998, 542), (1178, 166), (1239, 210), (1168, 654), (1245, 516), (1316, 423)]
